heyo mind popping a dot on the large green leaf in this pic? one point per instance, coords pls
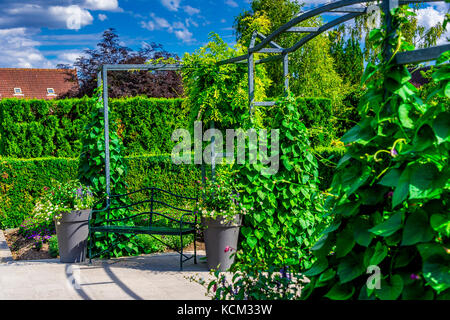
(345, 242)
(350, 268)
(404, 115)
(391, 178)
(388, 227)
(362, 133)
(423, 180)
(402, 189)
(436, 271)
(318, 267)
(341, 292)
(441, 223)
(441, 127)
(379, 254)
(390, 290)
(416, 229)
(361, 232)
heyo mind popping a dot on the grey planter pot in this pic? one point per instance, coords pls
(72, 233)
(217, 237)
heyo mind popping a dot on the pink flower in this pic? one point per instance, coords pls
(45, 188)
(215, 287)
(228, 248)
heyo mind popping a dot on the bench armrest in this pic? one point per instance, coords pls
(194, 214)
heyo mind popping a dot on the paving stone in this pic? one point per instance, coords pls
(145, 277)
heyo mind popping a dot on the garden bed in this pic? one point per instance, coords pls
(24, 249)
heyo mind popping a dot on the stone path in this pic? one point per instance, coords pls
(145, 277)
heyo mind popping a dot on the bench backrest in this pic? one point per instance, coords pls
(148, 201)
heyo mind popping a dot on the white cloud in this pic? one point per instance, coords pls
(185, 35)
(102, 17)
(231, 3)
(73, 16)
(189, 22)
(18, 50)
(172, 5)
(55, 17)
(178, 28)
(105, 5)
(190, 10)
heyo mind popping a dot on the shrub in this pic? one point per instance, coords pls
(53, 248)
(22, 181)
(41, 128)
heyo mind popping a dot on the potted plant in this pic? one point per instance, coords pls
(70, 205)
(221, 215)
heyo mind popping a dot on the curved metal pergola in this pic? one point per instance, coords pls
(268, 45)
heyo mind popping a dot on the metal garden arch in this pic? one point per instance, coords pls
(268, 45)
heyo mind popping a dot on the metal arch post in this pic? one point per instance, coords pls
(251, 73)
(286, 72)
(387, 6)
(106, 119)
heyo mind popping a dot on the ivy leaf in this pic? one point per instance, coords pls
(341, 292)
(422, 181)
(345, 242)
(441, 127)
(390, 290)
(370, 68)
(403, 113)
(361, 232)
(401, 75)
(391, 178)
(252, 241)
(402, 189)
(436, 271)
(416, 229)
(379, 254)
(361, 133)
(350, 268)
(388, 227)
(317, 268)
(441, 223)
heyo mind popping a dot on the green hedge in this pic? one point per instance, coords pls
(22, 181)
(40, 128)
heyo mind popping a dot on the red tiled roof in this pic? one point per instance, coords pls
(34, 82)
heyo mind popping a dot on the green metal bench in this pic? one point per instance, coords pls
(140, 203)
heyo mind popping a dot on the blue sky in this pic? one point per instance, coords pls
(43, 33)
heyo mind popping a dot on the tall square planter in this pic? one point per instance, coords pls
(218, 236)
(72, 232)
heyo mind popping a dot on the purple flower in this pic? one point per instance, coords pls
(414, 276)
(394, 153)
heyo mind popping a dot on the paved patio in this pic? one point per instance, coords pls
(145, 277)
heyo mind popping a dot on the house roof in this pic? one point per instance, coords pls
(35, 82)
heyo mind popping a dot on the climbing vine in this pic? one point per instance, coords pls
(91, 172)
(215, 92)
(390, 200)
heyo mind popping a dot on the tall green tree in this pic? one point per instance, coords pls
(312, 66)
